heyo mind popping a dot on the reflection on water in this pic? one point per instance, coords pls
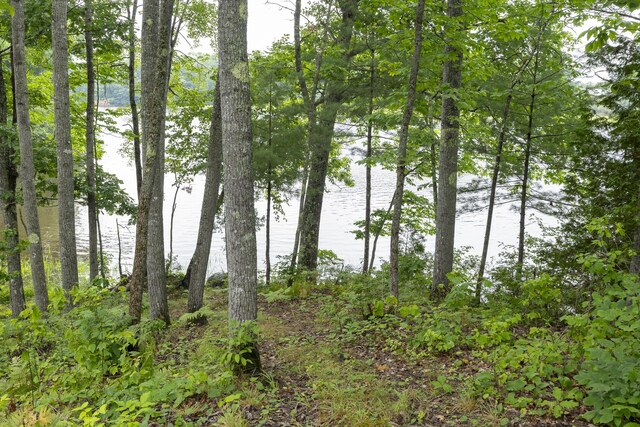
(342, 207)
(49, 233)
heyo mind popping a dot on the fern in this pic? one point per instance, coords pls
(199, 316)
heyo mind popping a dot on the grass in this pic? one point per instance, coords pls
(323, 365)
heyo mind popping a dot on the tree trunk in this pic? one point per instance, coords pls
(174, 205)
(448, 159)
(367, 202)
(267, 254)
(402, 152)
(198, 266)
(240, 221)
(309, 100)
(27, 169)
(156, 269)
(434, 176)
(119, 249)
(321, 138)
(377, 236)
(525, 173)
(62, 113)
(137, 152)
(492, 196)
(634, 267)
(8, 184)
(156, 40)
(90, 142)
(267, 250)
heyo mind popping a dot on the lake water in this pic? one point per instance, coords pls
(342, 207)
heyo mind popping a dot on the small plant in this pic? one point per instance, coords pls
(240, 352)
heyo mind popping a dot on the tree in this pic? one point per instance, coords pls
(240, 223)
(92, 214)
(198, 265)
(158, 43)
(515, 81)
(27, 168)
(66, 208)
(8, 184)
(448, 156)
(402, 152)
(137, 152)
(156, 46)
(321, 135)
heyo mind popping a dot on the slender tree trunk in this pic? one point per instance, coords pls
(174, 205)
(103, 273)
(157, 279)
(156, 40)
(634, 267)
(137, 152)
(379, 231)
(303, 193)
(62, 112)
(197, 270)
(492, 196)
(267, 254)
(367, 202)
(434, 176)
(321, 138)
(496, 170)
(448, 158)
(309, 101)
(119, 249)
(27, 169)
(402, 152)
(90, 142)
(525, 173)
(8, 184)
(240, 221)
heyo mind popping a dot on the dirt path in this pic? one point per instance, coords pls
(322, 379)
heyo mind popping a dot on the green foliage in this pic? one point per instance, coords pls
(610, 331)
(96, 368)
(239, 349)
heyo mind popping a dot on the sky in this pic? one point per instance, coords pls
(269, 20)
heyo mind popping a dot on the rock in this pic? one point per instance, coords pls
(217, 280)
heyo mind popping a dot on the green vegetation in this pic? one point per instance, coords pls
(504, 94)
(336, 353)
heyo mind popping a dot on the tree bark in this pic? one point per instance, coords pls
(492, 196)
(496, 168)
(137, 152)
(198, 265)
(379, 231)
(62, 113)
(634, 267)
(448, 158)
(240, 220)
(156, 46)
(8, 184)
(525, 173)
(90, 142)
(156, 269)
(27, 169)
(174, 205)
(402, 152)
(267, 251)
(309, 101)
(367, 201)
(321, 138)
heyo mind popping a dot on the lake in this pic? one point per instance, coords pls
(342, 207)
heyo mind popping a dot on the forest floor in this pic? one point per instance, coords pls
(319, 370)
(326, 361)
